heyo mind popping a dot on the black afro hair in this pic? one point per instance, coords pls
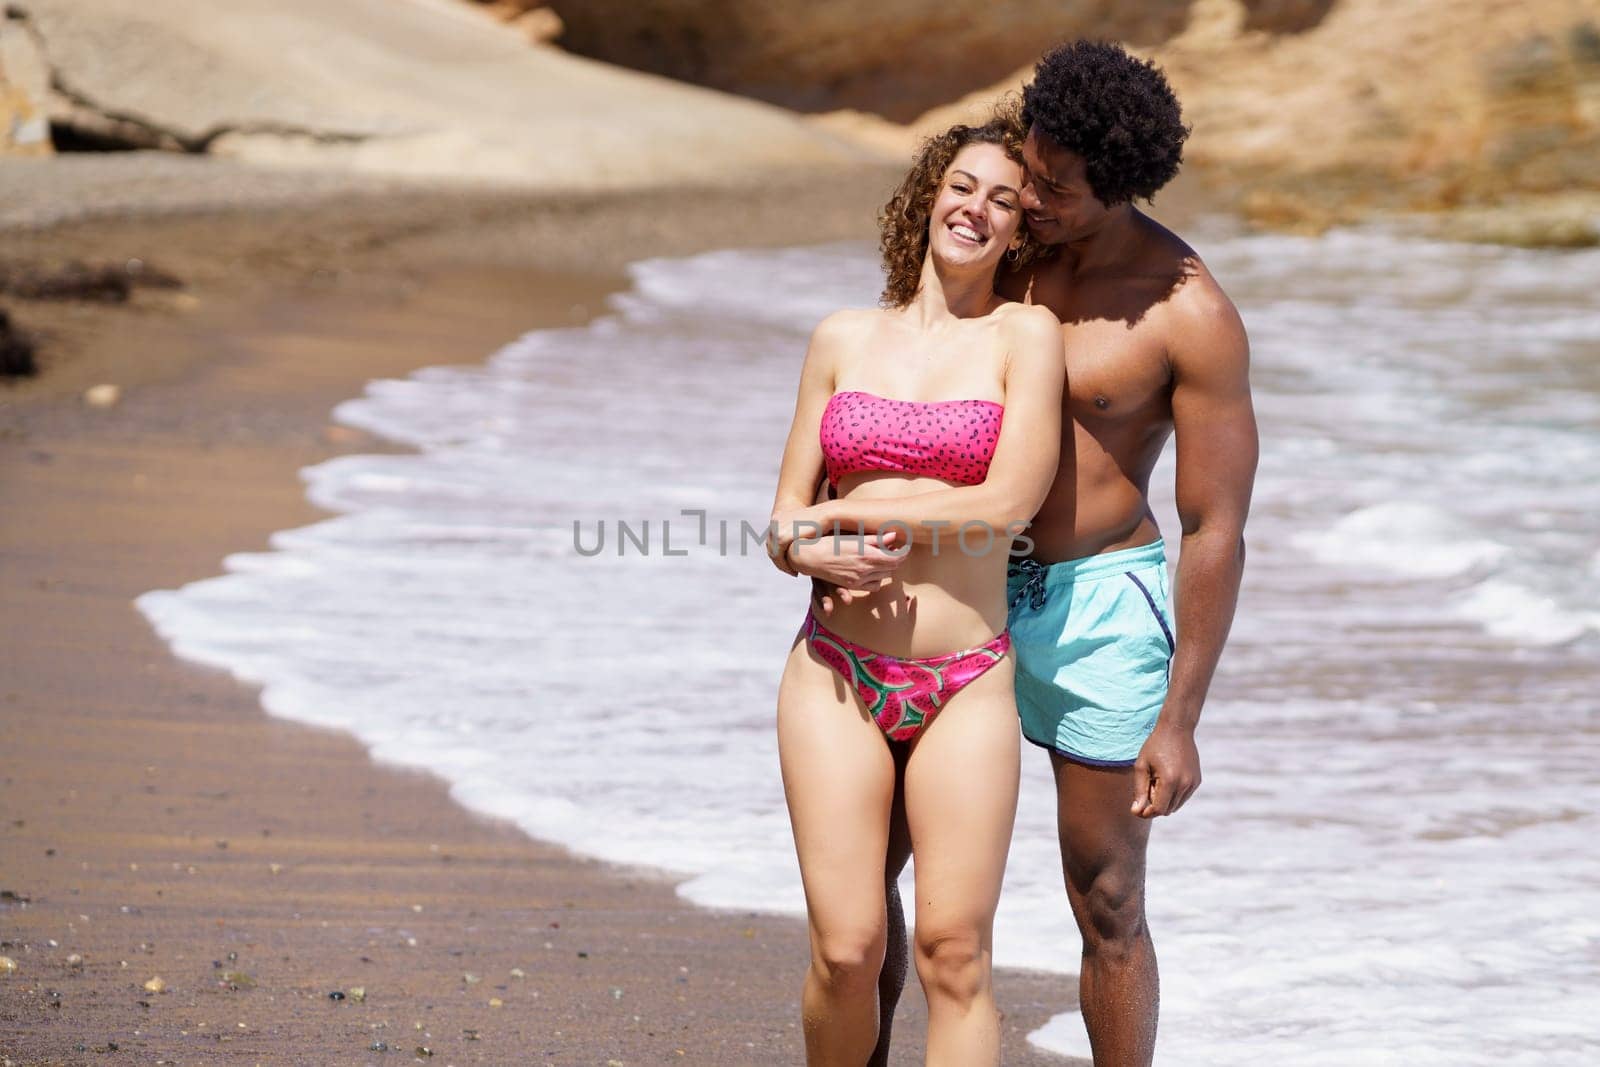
(1116, 111)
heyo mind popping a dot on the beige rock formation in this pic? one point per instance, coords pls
(1398, 105)
(878, 134)
(896, 58)
(429, 88)
(537, 23)
(1279, 16)
(1371, 105)
(24, 92)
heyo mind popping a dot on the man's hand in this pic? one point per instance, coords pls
(846, 567)
(1167, 772)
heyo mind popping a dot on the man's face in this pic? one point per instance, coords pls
(1057, 202)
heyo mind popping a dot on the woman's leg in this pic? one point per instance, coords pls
(839, 777)
(961, 801)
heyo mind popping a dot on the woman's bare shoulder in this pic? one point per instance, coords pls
(850, 322)
(1025, 318)
(846, 331)
(1029, 328)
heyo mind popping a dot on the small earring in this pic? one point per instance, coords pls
(1013, 252)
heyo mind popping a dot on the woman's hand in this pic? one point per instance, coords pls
(786, 527)
(847, 565)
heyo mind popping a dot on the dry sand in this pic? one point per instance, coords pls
(156, 823)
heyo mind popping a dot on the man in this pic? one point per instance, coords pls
(1154, 349)
(1105, 682)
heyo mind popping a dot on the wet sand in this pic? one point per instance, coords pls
(155, 823)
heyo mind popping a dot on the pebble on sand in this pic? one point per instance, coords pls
(7, 965)
(104, 395)
(16, 350)
(155, 985)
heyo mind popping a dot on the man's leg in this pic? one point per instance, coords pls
(897, 954)
(1103, 857)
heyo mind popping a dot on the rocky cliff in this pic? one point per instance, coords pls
(24, 91)
(1305, 112)
(1427, 105)
(427, 88)
(896, 58)
(1312, 113)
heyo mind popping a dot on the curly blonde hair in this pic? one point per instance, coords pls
(903, 222)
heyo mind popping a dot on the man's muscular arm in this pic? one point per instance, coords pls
(1215, 428)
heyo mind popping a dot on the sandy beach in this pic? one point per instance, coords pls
(215, 229)
(297, 902)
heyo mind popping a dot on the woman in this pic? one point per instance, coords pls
(936, 417)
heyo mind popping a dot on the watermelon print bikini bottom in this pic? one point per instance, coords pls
(902, 695)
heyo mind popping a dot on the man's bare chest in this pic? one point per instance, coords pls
(1115, 372)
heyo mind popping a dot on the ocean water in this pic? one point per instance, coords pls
(1393, 857)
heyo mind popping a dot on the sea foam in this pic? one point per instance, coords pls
(1388, 860)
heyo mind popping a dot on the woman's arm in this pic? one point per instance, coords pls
(1020, 474)
(802, 467)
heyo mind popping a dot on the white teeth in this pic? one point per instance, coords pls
(968, 232)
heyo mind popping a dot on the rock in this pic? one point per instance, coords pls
(7, 965)
(1284, 16)
(1411, 104)
(155, 985)
(1583, 41)
(24, 91)
(98, 283)
(75, 961)
(532, 20)
(897, 58)
(104, 395)
(358, 993)
(16, 350)
(1413, 109)
(1530, 64)
(539, 26)
(147, 275)
(105, 283)
(401, 87)
(1571, 221)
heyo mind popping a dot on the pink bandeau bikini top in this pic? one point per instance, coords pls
(949, 439)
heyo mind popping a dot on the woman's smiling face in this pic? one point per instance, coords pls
(977, 213)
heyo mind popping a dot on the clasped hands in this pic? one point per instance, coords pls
(845, 566)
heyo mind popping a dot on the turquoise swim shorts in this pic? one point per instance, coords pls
(1093, 644)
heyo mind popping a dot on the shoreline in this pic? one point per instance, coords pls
(157, 798)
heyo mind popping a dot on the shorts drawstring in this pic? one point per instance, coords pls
(1033, 583)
